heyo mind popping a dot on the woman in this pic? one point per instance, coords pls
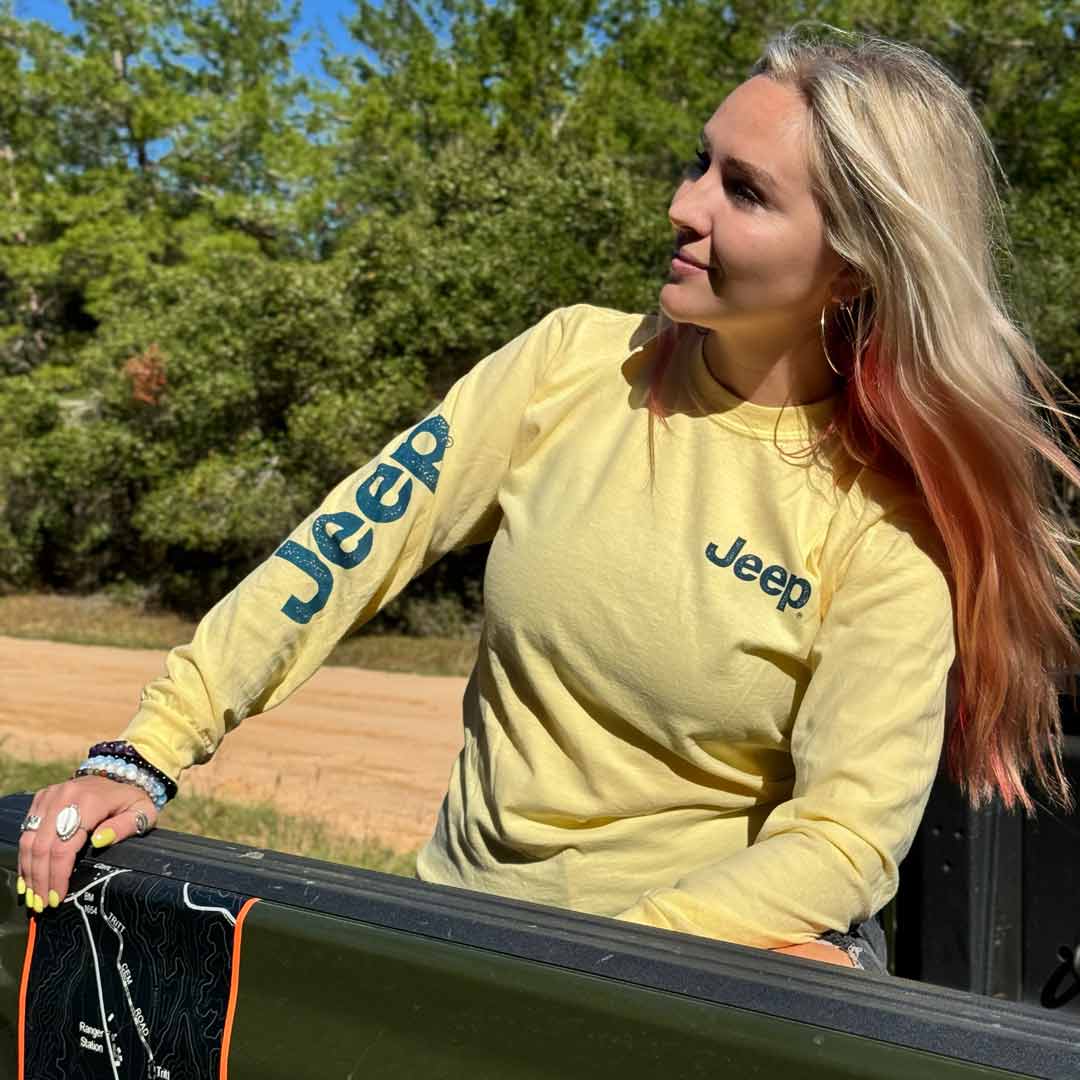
(735, 551)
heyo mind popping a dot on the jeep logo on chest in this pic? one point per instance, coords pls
(773, 580)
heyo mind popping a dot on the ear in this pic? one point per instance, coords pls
(848, 284)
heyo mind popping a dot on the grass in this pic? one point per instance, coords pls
(253, 824)
(103, 620)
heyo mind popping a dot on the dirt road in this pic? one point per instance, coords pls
(367, 751)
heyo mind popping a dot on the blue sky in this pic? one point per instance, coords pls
(314, 14)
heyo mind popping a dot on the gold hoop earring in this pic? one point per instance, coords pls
(824, 347)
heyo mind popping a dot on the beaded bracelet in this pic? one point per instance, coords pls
(121, 761)
(126, 773)
(127, 752)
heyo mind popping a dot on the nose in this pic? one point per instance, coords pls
(688, 211)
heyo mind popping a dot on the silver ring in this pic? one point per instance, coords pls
(68, 822)
(30, 823)
(142, 823)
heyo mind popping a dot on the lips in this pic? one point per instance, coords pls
(684, 256)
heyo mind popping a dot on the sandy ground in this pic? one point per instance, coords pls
(368, 751)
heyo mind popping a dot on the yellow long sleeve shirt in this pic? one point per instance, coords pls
(710, 689)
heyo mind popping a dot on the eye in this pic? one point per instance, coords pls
(740, 191)
(743, 193)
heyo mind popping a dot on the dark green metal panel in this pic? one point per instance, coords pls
(348, 973)
(323, 996)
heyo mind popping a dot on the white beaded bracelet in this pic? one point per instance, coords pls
(116, 768)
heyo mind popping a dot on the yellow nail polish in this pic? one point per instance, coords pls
(20, 885)
(29, 897)
(39, 907)
(54, 898)
(103, 838)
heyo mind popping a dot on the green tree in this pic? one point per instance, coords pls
(223, 286)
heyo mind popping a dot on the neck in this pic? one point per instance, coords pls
(789, 373)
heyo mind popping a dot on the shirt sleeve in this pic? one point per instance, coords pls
(430, 490)
(865, 744)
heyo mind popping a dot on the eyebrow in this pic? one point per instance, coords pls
(755, 172)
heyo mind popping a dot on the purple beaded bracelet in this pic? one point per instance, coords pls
(126, 752)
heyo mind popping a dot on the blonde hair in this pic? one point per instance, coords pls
(944, 392)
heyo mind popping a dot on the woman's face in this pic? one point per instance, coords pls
(750, 251)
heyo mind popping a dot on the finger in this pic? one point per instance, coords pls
(61, 860)
(113, 812)
(824, 951)
(35, 846)
(25, 840)
(48, 843)
(101, 803)
(134, 820)
(26, 851)
(34, 851)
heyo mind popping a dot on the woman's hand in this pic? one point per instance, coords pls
(108, 810)
(824, 951)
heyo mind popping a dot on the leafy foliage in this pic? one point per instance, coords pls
(223, 285)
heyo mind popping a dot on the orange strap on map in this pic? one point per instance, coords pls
(234, 987)
(22, 995)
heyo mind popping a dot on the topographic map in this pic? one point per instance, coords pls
(107, 1000)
